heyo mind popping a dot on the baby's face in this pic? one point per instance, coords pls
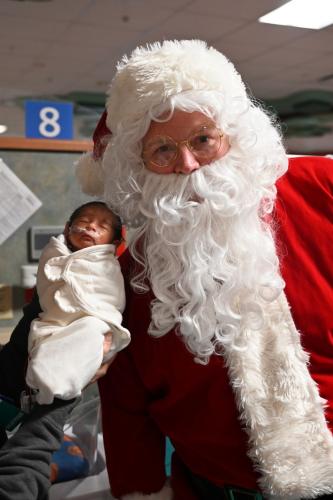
(94, 226)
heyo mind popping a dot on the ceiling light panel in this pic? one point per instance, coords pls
(311, 14)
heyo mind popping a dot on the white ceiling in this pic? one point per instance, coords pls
(58, 46)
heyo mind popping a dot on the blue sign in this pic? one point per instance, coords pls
(48, 120)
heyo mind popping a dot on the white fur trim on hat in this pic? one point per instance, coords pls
(154, 73)
(90, 175)
(164, 494)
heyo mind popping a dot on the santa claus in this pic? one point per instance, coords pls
(229, 287)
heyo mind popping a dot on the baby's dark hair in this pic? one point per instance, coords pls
(117, 224)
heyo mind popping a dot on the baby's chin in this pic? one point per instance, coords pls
(81, 243)
(87, 240)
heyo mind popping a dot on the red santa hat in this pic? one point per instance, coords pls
(147, 79)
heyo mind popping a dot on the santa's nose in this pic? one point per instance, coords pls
(186, 162)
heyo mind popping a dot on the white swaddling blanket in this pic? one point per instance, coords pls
(82, 298)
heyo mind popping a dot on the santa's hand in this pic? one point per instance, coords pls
(105, 365)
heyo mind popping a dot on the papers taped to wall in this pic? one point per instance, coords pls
(17, 202)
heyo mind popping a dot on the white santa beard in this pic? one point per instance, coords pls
(211, 263)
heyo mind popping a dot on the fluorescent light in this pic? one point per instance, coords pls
(3, 129)
(312, 14)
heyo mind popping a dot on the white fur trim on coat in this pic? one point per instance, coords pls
(158, 71)
(164, 494)
(290, 443)
(90, 175)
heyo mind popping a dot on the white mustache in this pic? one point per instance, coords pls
(89, 232)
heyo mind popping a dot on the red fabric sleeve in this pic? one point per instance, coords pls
(134, 446)
(305, 233)
(305, 212)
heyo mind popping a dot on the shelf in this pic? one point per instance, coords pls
(22, 143)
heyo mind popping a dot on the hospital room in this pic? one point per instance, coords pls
(166, 241)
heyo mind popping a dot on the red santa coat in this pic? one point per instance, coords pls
(164, 393)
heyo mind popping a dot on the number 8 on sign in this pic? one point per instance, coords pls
(48, 120)
(49, 126)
